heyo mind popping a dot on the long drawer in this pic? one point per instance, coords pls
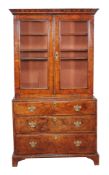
(55, 144)
(36, 124)
(55, 108)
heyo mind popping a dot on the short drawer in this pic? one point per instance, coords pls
(75, 107)
(55, 144)
(32, 108)
(55, 124)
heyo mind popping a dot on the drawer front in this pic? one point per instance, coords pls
(55, 144)
(32, 108)
(75, 107)
(55, 108)
(55, 124)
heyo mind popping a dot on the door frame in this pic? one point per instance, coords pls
(89, 89)
(38, 91)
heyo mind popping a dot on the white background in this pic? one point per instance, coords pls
(78, 166)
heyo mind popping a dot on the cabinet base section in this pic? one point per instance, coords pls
(17, 158)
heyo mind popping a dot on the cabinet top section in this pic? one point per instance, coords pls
(52, 11)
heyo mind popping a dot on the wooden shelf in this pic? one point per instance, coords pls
(34, 59)
(74, 34)
(40, 34)
(73, 50)
(68, 59)
(33, 50)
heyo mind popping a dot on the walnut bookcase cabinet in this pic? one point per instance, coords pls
(54, 111)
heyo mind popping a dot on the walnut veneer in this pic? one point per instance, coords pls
(54, 111)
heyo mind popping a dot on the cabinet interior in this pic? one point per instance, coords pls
(34, 54)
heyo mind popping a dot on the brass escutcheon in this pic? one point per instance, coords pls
(54, 104)
(55, 137)
(56, 56)
(54, 119)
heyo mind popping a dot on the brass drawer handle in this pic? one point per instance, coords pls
(77, 143)
(77, 108)
(31, 108)
(33, 144)
(77, 123)
(32, 124)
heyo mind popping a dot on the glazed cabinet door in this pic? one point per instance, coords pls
(74, 54)
(33, 54)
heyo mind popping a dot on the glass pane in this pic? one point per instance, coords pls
(73, 54)
(33, 42)
(74, 42)
(74, 27)
(34, 74)
(34, 27)
(34, 54)
(73, 74)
